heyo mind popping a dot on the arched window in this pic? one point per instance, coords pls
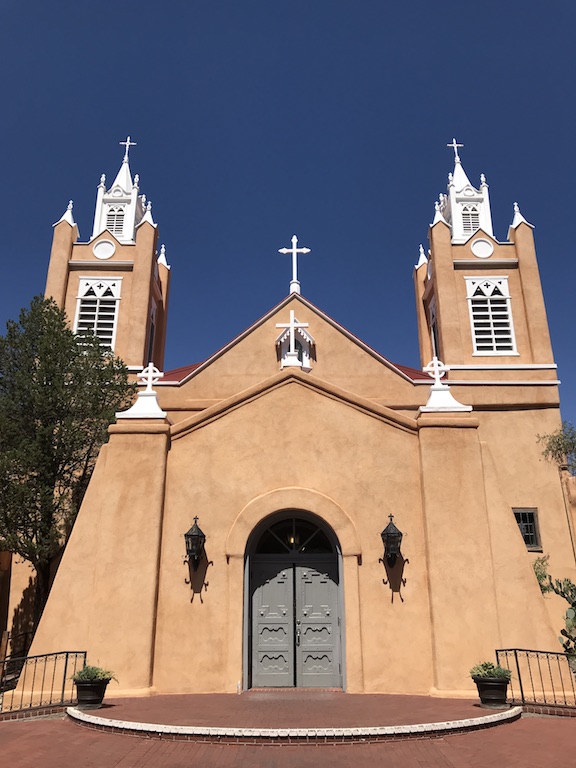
(294, 535)
(115, 219)
(470, 219)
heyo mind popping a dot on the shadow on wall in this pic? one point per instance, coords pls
(395, 575)
(5, 566)
(22, 629)
(197, 578)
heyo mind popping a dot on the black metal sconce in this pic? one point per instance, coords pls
(391, 538)
(195, 540)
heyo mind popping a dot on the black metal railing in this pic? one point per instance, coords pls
(539, 677)
(30, 682)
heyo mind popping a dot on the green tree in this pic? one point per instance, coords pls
(58, 394)
(560, 446)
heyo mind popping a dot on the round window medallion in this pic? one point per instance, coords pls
(482, 248)
(104, 249)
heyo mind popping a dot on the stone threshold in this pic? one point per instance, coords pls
(291, 735)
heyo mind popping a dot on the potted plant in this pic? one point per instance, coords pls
(492, 683)
(91, 685)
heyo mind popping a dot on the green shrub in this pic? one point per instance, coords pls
(488, 669)
(89, 673)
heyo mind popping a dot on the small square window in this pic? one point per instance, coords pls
(527, 519)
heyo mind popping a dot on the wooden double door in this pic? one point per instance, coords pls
(295, 621)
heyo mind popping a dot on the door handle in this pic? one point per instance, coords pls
(298, 632)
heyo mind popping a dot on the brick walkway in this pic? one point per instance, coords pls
(59, 743)
(290, 708)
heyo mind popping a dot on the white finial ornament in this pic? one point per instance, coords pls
(438, 214)
(454, 144)
(441, 399)
(294, 284)
(146, 405)
(422, 259)
(68, 216)
(518, 218)
(292, 354)
(162, 256)
(127, 144)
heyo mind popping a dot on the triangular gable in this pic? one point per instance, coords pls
(180, 376)
(289, 377)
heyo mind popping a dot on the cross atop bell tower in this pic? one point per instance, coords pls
(465, 208)
(121, 208)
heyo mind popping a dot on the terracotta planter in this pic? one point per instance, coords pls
(90, 693)
(492, 691)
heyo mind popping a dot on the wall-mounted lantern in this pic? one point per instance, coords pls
(391, 538)
(195, 540)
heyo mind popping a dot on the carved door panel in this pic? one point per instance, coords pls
(272, 625)
(317, 630)
(295, 623)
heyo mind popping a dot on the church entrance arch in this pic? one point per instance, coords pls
(294, 604)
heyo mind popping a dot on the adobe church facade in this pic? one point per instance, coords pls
(291, 448)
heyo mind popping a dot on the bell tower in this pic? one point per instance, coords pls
(116, 284)
(479, 301)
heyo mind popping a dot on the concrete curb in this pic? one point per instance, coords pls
(290, 735)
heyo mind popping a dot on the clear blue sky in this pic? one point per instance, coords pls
(258, 119)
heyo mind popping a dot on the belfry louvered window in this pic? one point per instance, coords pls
(115, 219)
(490, 316)
(97, 309)
(470, 219)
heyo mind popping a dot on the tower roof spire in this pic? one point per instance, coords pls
(465, 208)
(123, 179)
(120, 209)
(458, 178)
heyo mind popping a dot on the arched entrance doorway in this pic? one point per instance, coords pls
(294, 604)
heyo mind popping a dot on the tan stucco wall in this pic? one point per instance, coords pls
(121, 591)
(345, 442)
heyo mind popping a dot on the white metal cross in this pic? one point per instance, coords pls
(293, 325)
(294, 284)
(436, 369)
(454, 144)
(149, 376)
(127, 144)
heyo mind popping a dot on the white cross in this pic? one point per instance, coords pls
(294, 284)
(455, 146)
(127, 144)
(293, 325)
(149, 376)
(436, 369)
